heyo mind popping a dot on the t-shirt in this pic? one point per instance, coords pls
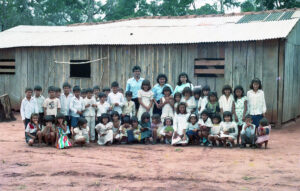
(81, 133)
(31, 128)
(51, 106)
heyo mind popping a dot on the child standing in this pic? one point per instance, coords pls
(32, 131)
(102, 106)
(204, 100)
(168, 130)
(180, 125)
(212, 105)
(39, 100)
(239, 108)
(145, 128)
(248, 132)
(192, 129)
(226, 99)
(83, 93)
(189, 99)
(65, 100)
(28, 107)
(156, 127)
(104, 129)
(106, 90)
(177, 98)
(57, 92)
(62, 139)
(89, 112)
(256, 101)
(145, 97)
(96, 90)
(82, 132)
(115, 99)
(183, 82)
(48, 131)
(51, 104)
(129, 105)
(229, 129)
(214, 135)
(167, 103)
(197, 95)
(76, 107)
(205, 125)
(263, 133)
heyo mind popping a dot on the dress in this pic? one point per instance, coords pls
(105, 133)
(63, 139)
(146, 98)
(147, 133)
(230, 127)
(191, 103)
(239, 109)
(167, 110)
(180, 124)
(226, 104)
(82, 133)
(262, 138)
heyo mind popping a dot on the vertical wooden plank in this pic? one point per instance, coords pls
(258, 59)
(229, 54)
(106, 63)
(250, 64)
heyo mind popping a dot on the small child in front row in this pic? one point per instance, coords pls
(48, 131)
(229, 129)
(104, 129)
(145, 128)
(192, 130)
(123, 134)
(214, 135)
(263, 133)
(156, 127)
(62, 139)
(129, 105)
(82, 132)
(136, 129)
(204, 125)
(32, 131)
(248, 132)
(116, 121)
(180, 125)
(168, 130)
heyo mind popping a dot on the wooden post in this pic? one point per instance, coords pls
(5, 109)
(280, 82)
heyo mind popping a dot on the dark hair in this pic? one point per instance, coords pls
(136, 68)
(205, 111)
(28, 89)
(128, 93)
(59, 116)
(168, 118)
(193, 115)
(114, 84)
(217, 116)
(105, 115)
(81, 121)
(183, 74)
(96, 88)
(167, 89)
(180, 104)
(227, 114)
(197, 91)
(83, 91)
(187, 90)
(248, 117)
(105, 89)
(255, 80)
(206, 88)
(177, 94)
(162, 76)
(213, 93)
(120, 89)
(76, 89)
(57, 89)
(89, 90)
(115, 113)
(134, 119)
(264, 122)
(33, 115)
(238, 87)
(37, 88)
(51, 89)
(66, 84)
(48, 118)
(101, 94)
(144, 116)
(126, 119)
(146, 83)
(156, 116)
(226, 87)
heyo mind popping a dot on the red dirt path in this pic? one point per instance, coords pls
(141, 167)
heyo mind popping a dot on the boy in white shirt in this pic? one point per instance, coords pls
(89, 112)
(28, 106)
(65, 100)
(77, 107)
(129, 105)
(115, 99)
(102, 106)
(96, 91)
(52, 103)
(40, 101)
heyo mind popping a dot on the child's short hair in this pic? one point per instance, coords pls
(89, 90)
(255, 80)
(37, 88)
(33, 115)
(238, 87)
(177, 94)
(217, 116)
(144, 116)
(51, 89)
(264, 122)
(81, 121)
(66, 84)
(57, 89)
(83, 91)
(187, 90)
(96, 88)
(226, 87)
(156, 116)
(205, 112)
(126, 119)
(162, 76)
(106, 89)
(48, 118)
(76, 89)
(206, 88)
(134, 119)
(101, 95)
(167, 89)
(146, 83)
(168, 118)
(136, 68)
(197, 91)
(115, 113)
(192, 115)
(28, 89)
(180, 104)
(128, 94)
(59, 116)
(248, 117)
(103, 116)
(227, 114)
(213, 93)
(114, 84)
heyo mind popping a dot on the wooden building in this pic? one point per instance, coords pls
(214, 50)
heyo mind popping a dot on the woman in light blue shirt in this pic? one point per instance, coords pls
(158, 92)
(183, 81)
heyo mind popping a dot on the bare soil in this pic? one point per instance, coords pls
(149, 167)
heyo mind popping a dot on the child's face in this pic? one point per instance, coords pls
(102, 99)
(77, 94)
(135, 124)
(238, 93)
(57, 94)
(255, 86)
(52, 94)
(106, 92)
(177, 98)
(154, 120)
(161, 81)
(168, 122)
(128, 98)
(104, 120)
(183, 79)
(35, 119)
(205, 93)
(212, 98)
(167, 93)
(193, 120)
(67, 90)
(60, 120)
(146, 120)
(227, 118)
(28, 94)
(115, 117)
(37, 93)
(145, 87)
(49, 124)
(197, 96)
(227, 92)
(248, 121)
(182, 109)
(96, 92)
(204, 117)
(89, 95)
(187, 95)
(83, 95)
(84, 125)
(115, 89)
(216, 121)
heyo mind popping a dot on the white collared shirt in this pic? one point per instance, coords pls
(256, 102)
(28, 107)
(76, 105)
(102, 108)
(226, 104)
(89, 111)
(65, 103)
(40, 101)
(113, 98)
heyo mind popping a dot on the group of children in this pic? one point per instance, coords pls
(190, 116)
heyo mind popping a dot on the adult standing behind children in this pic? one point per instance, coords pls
(134, 85)
(183, 81)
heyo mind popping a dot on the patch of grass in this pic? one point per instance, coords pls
(178, 150)
(22, 187)
(247, 178)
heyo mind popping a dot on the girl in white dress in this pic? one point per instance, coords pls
(226, 99)
(228, 129)
(145, 97)
(180, 125)
(82, 132)
(167, 104)
(104, 130)
(188, 98)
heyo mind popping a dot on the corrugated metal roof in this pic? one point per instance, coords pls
(148, 31)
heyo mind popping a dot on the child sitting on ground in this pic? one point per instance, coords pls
(145, 128)
(156, 127)
(32, 131)
(48, 131)
(136, 129)
(263, 133)
(82, 132)
(104, 130)
(204, 127)
(192, 130)
(248, 132)
(229, 129)
(214, 135)
(168, 130)
(62, 139)
(123, 130)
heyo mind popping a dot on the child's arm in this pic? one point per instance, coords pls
(150, 105)
(141, 103)
(31, 136)
(264, 107)
(58, 106)
(233, 112)
(133, 109)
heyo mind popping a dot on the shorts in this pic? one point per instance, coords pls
(74, 121)
(27, 138)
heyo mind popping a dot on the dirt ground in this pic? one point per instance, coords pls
(149, 167)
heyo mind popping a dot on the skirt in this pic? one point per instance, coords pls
(63, 142)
